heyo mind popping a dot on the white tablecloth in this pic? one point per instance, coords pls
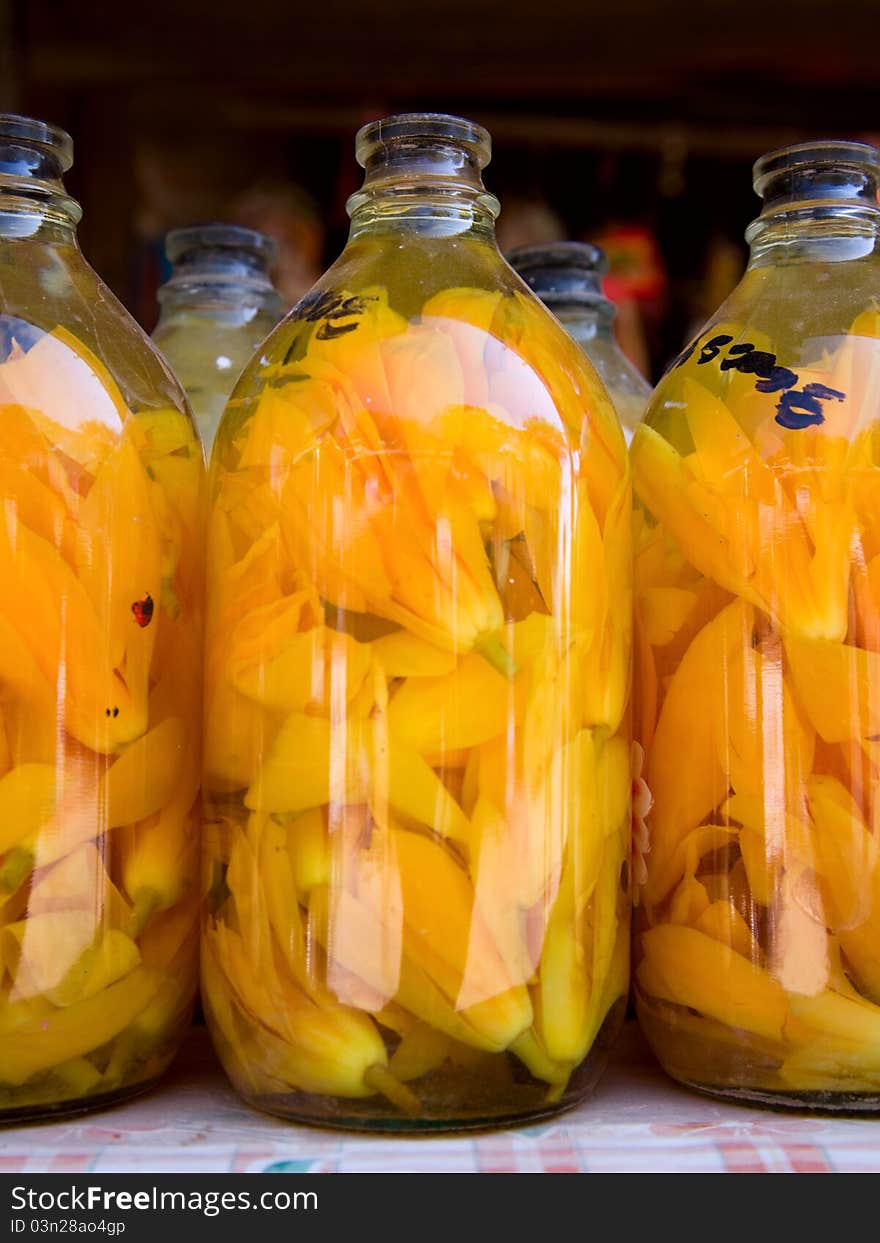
(637, 1120)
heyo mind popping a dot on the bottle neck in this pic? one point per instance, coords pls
(815, 210)
(424, 187)
(23, 220)
(586, 322)
(220, 278)
(219, 297)
(33, 202)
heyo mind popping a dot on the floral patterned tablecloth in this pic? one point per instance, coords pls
(635, 1121)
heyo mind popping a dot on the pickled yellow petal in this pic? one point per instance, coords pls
(309, 851)
(417, 993)
(317, 1048)
(301, 771)
(691, 730)
(723, 921)
(112, 957)
(838, 685)
(665, 611)
(662, 484)
(577, 955)
(845, 854)
(160, 854)
(76, 1030)
(238, 734)
(99, 711)
(79, 882)
(689, 901)
(725, 457)
(463, 709)
(685, 859)
(758, 760)
(141, 781)
(828, 1065)
(28, 795)
(834, 1015)
(404, 655)
(313, 670)
(120, 558)
(762, 865)
(684, 966)
(501, 893)
(444, 932)
(49, 945)
(421, 1050)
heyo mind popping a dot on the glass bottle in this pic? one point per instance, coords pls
(99, 666)
(417, 759)
(218, 305)
(758, 659)
(567, 277)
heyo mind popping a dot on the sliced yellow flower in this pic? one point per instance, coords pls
(312, 763)
(688, 968)
(467, 707)
(404, 655)
(27, 800)
(838, 685)
(691, 730)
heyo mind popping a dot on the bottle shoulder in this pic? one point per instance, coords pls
(778, 371)
(488, 348)
(55, 291)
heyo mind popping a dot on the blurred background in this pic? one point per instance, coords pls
(633, 123)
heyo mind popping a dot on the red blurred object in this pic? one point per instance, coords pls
(635, 266)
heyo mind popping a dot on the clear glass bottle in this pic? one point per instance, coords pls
(417, 754)
(758, 659)
(218, 305)
(99, 666)
(567, 277)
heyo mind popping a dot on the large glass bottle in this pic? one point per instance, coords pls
(417, 755)
(100, 607)
(217, 306)
(567, 277)
(758, 659)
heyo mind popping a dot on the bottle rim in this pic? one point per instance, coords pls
(440, 127)
(840, 152)
(574, 256)
(33, 132)
(185, 241)
(564, 274)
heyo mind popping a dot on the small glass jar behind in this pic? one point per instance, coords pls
(217, 307)
(567, 276)
(101, 476)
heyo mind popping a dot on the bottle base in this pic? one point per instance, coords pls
(815, 1102)
(747, 1070)
(32, 1115)
(502, 1093)
(365, 1116)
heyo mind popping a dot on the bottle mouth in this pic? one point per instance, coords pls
(219, 243)
(428, 162)
(34, 156)
(440, 128)
(563, 273)
(835, 170)
(28, 132)
(219, 262)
